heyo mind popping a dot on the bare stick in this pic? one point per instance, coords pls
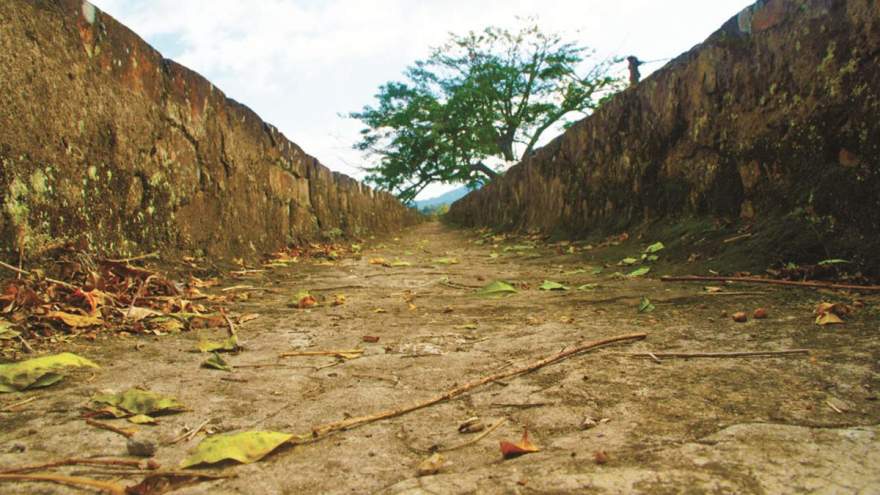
(17, 405)
(478, 437)
(656, 355)
(154, 254)
(122, 431)
(104, 486)
(190, 434)
(345, 424)
(756, 280)
(25, 272)
(150, 465)
(342, 354)
(230, 325)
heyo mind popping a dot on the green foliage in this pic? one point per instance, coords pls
(477, 97)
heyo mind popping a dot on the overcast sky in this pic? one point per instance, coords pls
(301, 63)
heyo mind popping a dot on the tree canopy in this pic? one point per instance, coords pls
(478, 96)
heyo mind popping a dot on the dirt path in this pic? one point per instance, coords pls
(748, 425)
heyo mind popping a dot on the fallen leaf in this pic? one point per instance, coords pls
(137, 313)
(6, 331)
(588, 287)
(378, 261)
(600, 457)
(216, 362)
(496, 289)
(446, 261)
(228, 345)
(136, 401)
(653, 248)
(835, 261)
(370, 338)
(245, 447)
(39, 372)
(828, 319)
(628, 261)
(397, 263)
(638, 272)
(74, 320)
(303, 299)
(713, 290)
(142, 419)
(524, 446)
(339, 300)
(550, 285)
(645, 305)
(431, 465)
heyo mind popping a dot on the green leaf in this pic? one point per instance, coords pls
(216, 362)
(645, 305)
(228, 345)
(628, 261)
(652, 257)
(39, 372)
(245, 447)
(835, 261)
(653, 248)
(496, 289)
(588, 287)
(638, 272)
(136, 401)
(551, 285)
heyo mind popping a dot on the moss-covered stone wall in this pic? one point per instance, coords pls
(107, 145)
(777, 114)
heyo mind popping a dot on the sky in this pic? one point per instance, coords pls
(303, 65)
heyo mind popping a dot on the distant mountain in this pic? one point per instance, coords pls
(446, 198)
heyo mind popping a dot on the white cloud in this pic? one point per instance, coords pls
(299, 63)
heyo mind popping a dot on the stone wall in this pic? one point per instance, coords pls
(775, 114)
(107, 145)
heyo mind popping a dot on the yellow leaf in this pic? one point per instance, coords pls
(245, 447)
(828, 319)
(38, 372)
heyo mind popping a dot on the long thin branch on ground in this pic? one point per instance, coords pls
(346, 424)
(104, 486)
(654, 355)
(150, 464)
(756, 280)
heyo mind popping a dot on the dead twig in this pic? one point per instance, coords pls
(476, 438)
(190, 434)
(104, 486)
(127, 433)
(25, 272)
(736, 238)
(339, 287)
(230, 326)
(144, 464)
(17, 405)
(154, 254)
(656, 355)
(770, 281)
(341, 354)
(321, 430)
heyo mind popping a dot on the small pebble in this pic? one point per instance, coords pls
(759, 314)
(740, 317)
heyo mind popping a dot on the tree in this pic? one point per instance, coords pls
(478, 97)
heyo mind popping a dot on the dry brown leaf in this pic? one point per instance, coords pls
(828, 319)
(431, 465)
(524, 446)
(74, 320)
